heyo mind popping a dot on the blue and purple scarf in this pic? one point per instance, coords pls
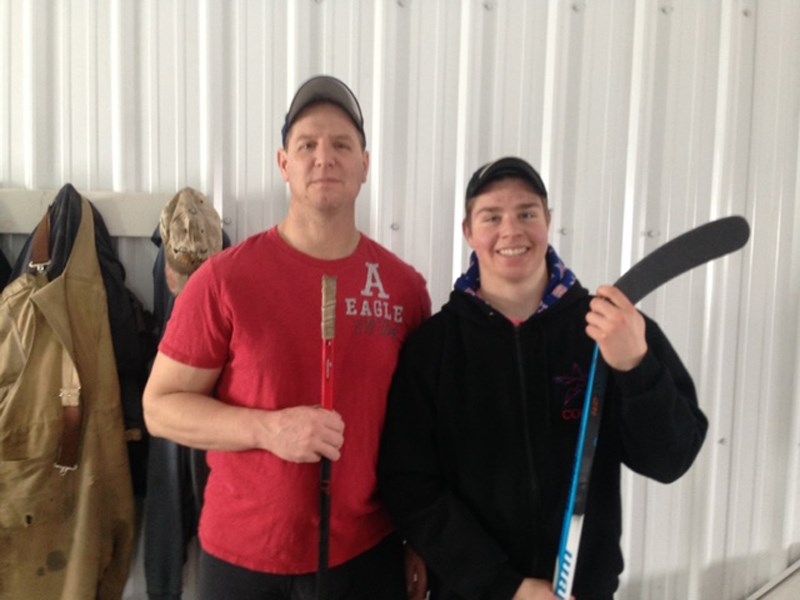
(561, 279)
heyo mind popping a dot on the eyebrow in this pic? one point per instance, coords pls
(336, 137)
(524, 206)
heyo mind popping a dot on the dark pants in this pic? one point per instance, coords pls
(377, 573)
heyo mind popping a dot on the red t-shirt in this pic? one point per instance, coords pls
(254, 311)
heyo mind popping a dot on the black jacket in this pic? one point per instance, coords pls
(176, 478)
(5, 270)
(480, 438)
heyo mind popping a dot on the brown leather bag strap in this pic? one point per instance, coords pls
(72, 412)
(40, 251)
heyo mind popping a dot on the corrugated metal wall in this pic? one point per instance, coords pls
(646, 117)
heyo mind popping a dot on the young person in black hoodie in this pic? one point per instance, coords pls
(485, 406)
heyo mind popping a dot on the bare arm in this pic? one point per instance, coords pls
(178, 405)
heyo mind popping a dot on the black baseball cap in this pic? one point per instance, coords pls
(324, 88)
(502, 168)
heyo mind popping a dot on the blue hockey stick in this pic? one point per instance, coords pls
(685, 252)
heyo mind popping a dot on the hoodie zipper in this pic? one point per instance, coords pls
(534, 479)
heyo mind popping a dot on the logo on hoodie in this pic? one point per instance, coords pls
(574, 386)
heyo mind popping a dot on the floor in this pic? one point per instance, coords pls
(783, 587)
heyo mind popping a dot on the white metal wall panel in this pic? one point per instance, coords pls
(646, 117)
(765, 388)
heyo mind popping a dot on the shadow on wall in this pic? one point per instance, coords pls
(731, 581)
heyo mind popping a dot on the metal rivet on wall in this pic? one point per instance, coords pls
(489, 5)
(227, 221)
(562, 231)
(746, 12)
(403, 3)
(652, 233)
(395, 226)
(578, 6)
(666, 8)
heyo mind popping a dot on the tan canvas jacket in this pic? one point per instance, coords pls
(66, 503)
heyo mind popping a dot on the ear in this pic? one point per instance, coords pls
(365, 163)
(282, 159)
(466, 230)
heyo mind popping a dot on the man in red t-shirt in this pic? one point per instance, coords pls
(238, 374)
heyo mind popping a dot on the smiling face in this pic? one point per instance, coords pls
(507, 226)
(324, 161)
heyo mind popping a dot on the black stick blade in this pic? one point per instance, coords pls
(683, 253)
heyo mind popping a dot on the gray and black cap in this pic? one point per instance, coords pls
(319, 89)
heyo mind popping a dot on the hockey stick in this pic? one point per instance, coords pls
(328, 332)
(685, 252)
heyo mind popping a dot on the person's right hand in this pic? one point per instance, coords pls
(303, 434)
(535, 589)
(416, 575)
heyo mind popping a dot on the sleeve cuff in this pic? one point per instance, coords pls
(642, 378)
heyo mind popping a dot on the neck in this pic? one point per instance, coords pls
(515, 299)
(327, 237)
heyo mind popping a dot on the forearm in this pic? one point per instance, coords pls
(200, 421)
(446, 533)
(662, 427)
(178, 406)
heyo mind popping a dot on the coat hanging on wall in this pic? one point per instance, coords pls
(66, 499)
(133, 329)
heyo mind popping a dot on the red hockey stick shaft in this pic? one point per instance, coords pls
(328, 333)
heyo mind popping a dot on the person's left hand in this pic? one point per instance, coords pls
(416, 575)
(617, 327)
(536, 589)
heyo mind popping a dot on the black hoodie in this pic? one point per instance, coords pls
(480, 436)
